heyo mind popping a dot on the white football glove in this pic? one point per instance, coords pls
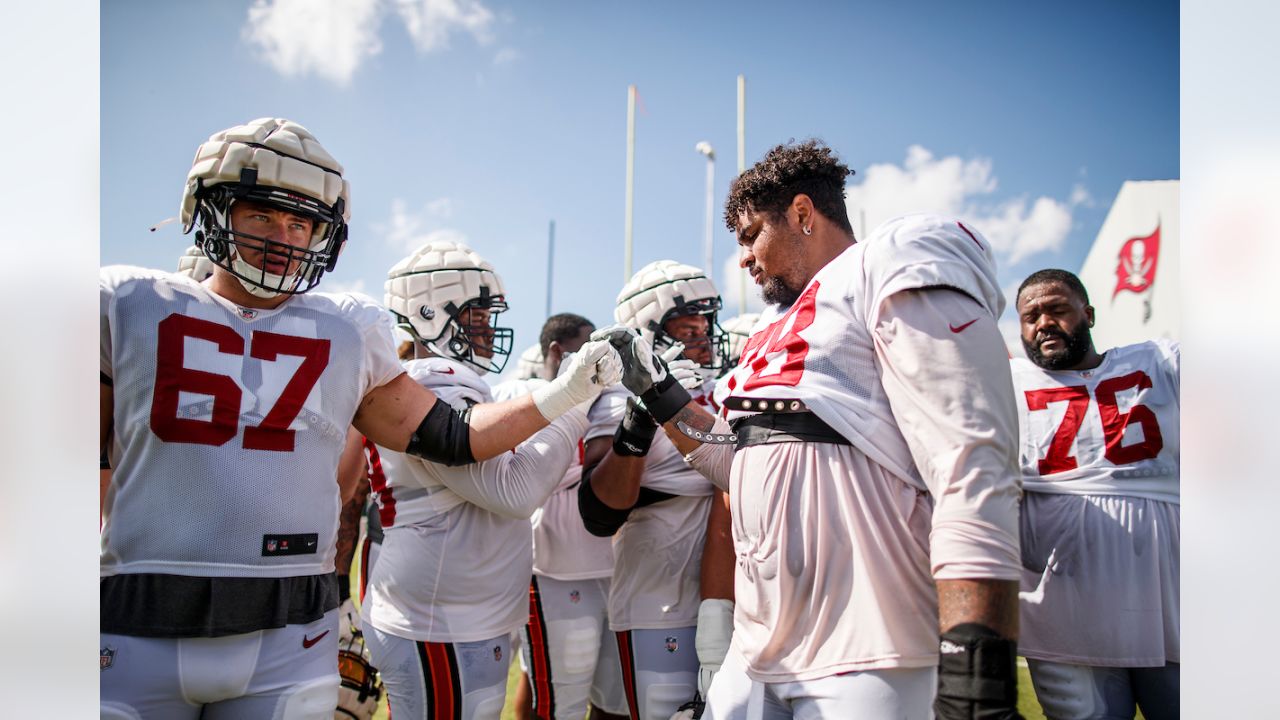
(582, 377)
(348, 621)
(686, 372)
(715, 630)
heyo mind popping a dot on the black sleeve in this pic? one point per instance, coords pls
(443, 436)
(599, 519)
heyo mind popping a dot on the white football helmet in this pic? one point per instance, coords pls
(529, 365)
(738, 329)
(280, 164)
(430, 290)
(195, 264)
(667, 289)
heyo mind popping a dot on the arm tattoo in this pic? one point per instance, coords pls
(694, 417)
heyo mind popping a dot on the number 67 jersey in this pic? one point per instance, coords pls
(1111, 430)
(228, 425)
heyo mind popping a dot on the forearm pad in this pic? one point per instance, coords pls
(443, 436)
(666, 398)
(599, 519)
(635, 432)
(977, 675)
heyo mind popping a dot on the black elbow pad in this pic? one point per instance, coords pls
(443, 436)
(599, 519)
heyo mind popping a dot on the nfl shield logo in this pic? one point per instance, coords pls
(497, 653)
(247, 313)
(672, 645)
(271, 546)
(107, 656)
(575, 596)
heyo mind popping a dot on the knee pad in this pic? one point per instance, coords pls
(662, 699)
(580, 644)
(117, 711)
(1065, 692)
(309, 700)
(490, 708)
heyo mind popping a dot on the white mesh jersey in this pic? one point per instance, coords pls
(657, 553)
(1111, 430)
(562, 547)
(456, 558)
(821, 349)
(228, 425)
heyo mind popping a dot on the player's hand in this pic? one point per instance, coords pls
(641, 368)
(686, 372)
(583, 375)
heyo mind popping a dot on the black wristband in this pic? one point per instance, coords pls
(635, 432)
(344, 588)
(666, 398)
(977, 675)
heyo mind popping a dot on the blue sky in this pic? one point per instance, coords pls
(483, 121)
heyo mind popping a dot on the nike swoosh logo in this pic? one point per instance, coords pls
(955, 329)
(447, 371)
(308, 642)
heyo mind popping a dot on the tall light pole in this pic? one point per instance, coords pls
(705, 148)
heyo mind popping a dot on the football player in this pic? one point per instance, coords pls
(225, 406)
(638, 488)
(872, 472)
(1100, 514)
(451, 581)
(737, 330)
(568, 655)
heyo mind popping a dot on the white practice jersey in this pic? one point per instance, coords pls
(1111, 430)
(657, 553)
(821, 350)
(456, 555)
(838, 547)
(562, 547)
(228, 425)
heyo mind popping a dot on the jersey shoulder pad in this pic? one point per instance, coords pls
(921, 251)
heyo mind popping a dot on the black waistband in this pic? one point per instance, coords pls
(173, 606)
(769, 428)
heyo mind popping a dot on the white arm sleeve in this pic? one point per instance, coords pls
(516, 483)
(952, 396)
(713, 461)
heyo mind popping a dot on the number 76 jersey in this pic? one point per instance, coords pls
(1111, 430)
(228, 425)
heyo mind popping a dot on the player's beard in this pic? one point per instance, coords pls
(775, 289)
(1075, 346)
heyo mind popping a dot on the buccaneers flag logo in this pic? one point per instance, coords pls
(1136, 264)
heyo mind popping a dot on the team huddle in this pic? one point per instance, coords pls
(853, 505)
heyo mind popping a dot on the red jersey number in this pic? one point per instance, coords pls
(1058, 458)
(773, 340)
(173, 378)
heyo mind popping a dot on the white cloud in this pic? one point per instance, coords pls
(355, 287)
(431, 22)
(1080, 196)
(506, 55)
(951, 185)
(407, 231)
(331, 38)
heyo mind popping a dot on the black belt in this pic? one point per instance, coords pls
(768, 428)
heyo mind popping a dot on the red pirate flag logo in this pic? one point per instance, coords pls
(1136, 264)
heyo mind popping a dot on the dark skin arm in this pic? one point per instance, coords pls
(616, 479)
(718, 562)
(993, 603)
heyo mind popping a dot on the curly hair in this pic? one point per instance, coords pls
(1068, 279)
(788, 170)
